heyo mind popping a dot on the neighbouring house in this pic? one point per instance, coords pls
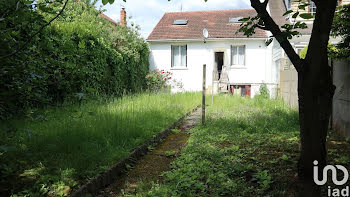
(287, 76)
(122, 18)
(234, 62)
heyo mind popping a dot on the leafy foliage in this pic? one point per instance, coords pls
(158, 80)
(303, 52)
(264, 91)
(79, 52)
(333, 52)
(249, 24)
(341, 27)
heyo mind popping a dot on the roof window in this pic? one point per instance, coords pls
(180, 22)
(235, 20)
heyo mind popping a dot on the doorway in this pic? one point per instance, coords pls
(219, 62)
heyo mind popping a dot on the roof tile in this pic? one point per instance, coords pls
(217, 23)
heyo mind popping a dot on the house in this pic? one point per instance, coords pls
(287, 88)
(234, 62)
(287, 75)
(122, 18)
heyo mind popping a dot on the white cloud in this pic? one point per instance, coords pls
(147, 13)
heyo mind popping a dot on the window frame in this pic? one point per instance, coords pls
(244, 59)
(312, 8)
(172, 55)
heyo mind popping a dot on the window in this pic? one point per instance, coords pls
(178, 55)
(238, 55)
(312, 7)
(240, 90)
(180, 22)
(235, 20)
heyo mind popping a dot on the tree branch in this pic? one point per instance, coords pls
(265, 3)
(36, 33)
(276, 32)
(262, 27)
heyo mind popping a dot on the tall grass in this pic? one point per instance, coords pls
(57, 148)
(243, 149)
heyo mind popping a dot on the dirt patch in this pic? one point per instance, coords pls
(150, 167)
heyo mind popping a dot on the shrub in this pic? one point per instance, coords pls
(264, 91)
(79, 52)
(341, 28)
(158, 81)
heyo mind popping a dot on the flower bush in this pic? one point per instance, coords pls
(158, 80)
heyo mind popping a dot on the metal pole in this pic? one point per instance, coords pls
(212, 89)
(203, 94)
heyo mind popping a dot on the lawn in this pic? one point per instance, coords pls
(54, 150)
(248, 147)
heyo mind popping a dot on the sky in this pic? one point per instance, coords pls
(147, 13)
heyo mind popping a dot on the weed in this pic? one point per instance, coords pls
(46, 155)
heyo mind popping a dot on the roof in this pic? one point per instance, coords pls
(216, 22)
(277, 9)
(109, 19)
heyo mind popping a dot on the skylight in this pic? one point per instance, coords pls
(235, 19)
(180, 22)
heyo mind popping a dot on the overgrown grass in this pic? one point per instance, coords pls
(52, 151)
(248, 147)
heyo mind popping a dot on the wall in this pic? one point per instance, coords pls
(288, 88)
(295, 4)
(341, 99)
(257, 69)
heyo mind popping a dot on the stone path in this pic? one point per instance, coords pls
(149, 168)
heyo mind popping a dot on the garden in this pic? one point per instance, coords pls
(77, 97)
(55, 150)
(247, 147)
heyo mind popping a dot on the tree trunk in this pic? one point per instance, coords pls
(315, 101)
(315, 91)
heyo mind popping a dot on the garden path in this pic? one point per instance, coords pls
(150, 167)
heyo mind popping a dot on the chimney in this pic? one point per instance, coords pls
(123, 17)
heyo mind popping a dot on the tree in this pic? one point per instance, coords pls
(19, 16)
(341, 27)
(315, 88)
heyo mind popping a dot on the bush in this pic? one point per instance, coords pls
(158, 81)
(79, 52)
(264, 91)
(341, 28)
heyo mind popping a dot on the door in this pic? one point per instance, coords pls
(219, 62)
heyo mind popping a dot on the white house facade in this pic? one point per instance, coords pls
(234, 63)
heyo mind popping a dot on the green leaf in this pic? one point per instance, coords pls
(268, 42)
(295, 15)
(111, 1)
(288, 12)
(244, 19)
(284, 157)
(104, 2)
(303, 6)
(306, 16)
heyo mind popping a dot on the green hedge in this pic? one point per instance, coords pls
(80, 53)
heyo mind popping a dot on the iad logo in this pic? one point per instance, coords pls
(335, 191)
